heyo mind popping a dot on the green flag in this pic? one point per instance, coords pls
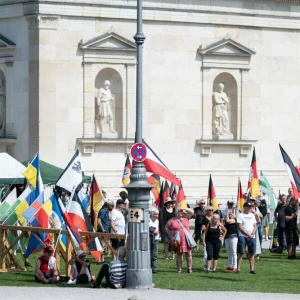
(266, 188)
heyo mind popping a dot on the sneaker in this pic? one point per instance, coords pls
(267, 238)
(72, 281)
(228, 269)
(28, 264)
(237, 272)
(234, 270)
(252, 272)
(206, 271)
(214, 271)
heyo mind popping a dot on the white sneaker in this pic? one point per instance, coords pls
(72, 281)
(267, 238)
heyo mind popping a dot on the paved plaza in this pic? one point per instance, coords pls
(28, 293)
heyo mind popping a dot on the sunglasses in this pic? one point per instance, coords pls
(202, 203)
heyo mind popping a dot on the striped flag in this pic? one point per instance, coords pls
(181, 199)
(96, 199)
(266, 188)
(253, 182)
(126, 172)
(212, 198)
(10, 199)
(293, 175)
(240, 196)
(154, 180)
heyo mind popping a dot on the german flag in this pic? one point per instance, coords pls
(253, 181)
(240, 196)
(181, 198)
(95, 199)
(212, 198)
(126, 172)
(154, 180)
(164, 193)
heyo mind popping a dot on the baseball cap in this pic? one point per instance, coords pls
(247, 204)
(230, 202)
(48, 250)
(257, 201)
(110, 202)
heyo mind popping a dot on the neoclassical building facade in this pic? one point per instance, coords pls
(220, 77)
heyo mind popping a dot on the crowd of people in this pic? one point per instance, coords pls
(239, 230)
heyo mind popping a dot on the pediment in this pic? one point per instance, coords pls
(226, 47)
(6, 43)
(108, 41)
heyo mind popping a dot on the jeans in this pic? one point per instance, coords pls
(231, 248)
(281, 237)
(154, 251)
(259, 231)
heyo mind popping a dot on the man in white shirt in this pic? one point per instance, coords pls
(154, 237)
(247, 229)
(117, 224)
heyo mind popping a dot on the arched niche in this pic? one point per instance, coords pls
(2, 103)
(231, 89)
(116, 88)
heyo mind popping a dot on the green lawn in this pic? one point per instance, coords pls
(274, 274)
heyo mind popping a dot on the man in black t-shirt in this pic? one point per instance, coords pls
(265, 221)
(291, 232)
(280, 219)
(199, 214)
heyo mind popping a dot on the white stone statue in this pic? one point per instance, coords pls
(104, 113)
(2, 107)
(221, 126)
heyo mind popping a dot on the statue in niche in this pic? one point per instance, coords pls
(2, 106)
(221, 126)
(104, 113)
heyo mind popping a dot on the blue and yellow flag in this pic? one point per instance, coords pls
(32, 172)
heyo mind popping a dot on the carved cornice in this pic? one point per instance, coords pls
(43, 22)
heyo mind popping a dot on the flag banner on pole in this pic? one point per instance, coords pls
(10, 199)
(72, 174)
(181, 199)
(212, 198)
(96, 197)
(154, 180)
(84, 198)
(293, 175)
(153, 164)
(240, 197)
(126, 172)
(266, 188)
(253, 182)
(31, 173)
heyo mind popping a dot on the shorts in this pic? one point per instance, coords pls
(243, 242)
(116, 243)
(291, 236)
(265, 221)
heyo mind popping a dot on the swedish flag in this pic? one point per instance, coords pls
(32, 172)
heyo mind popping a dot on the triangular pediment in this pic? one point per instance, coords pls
(6, 43)
(227, 47)
(108, 41)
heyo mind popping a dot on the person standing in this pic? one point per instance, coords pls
(212, 241)
(168, 212)
(291, 231)
(247, 228)
(103, 222)
(231, 240)
(154, 237)
(199, 214)
(175, 226)
(117, 224)
(280, 219)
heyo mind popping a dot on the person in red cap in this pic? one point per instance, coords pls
(46, 270)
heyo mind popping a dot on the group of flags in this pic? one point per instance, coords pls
(170, 187)
(39, 207)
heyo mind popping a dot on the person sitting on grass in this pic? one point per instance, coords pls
(80, 271)
(46, 270)
(114, 273)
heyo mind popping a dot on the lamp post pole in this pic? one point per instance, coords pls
(139, 273)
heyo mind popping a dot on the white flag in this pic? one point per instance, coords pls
(72, 175)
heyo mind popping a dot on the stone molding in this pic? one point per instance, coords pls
(7, 49)
(108, 48)
(245, 146)
(226, 54)
(43, 22)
